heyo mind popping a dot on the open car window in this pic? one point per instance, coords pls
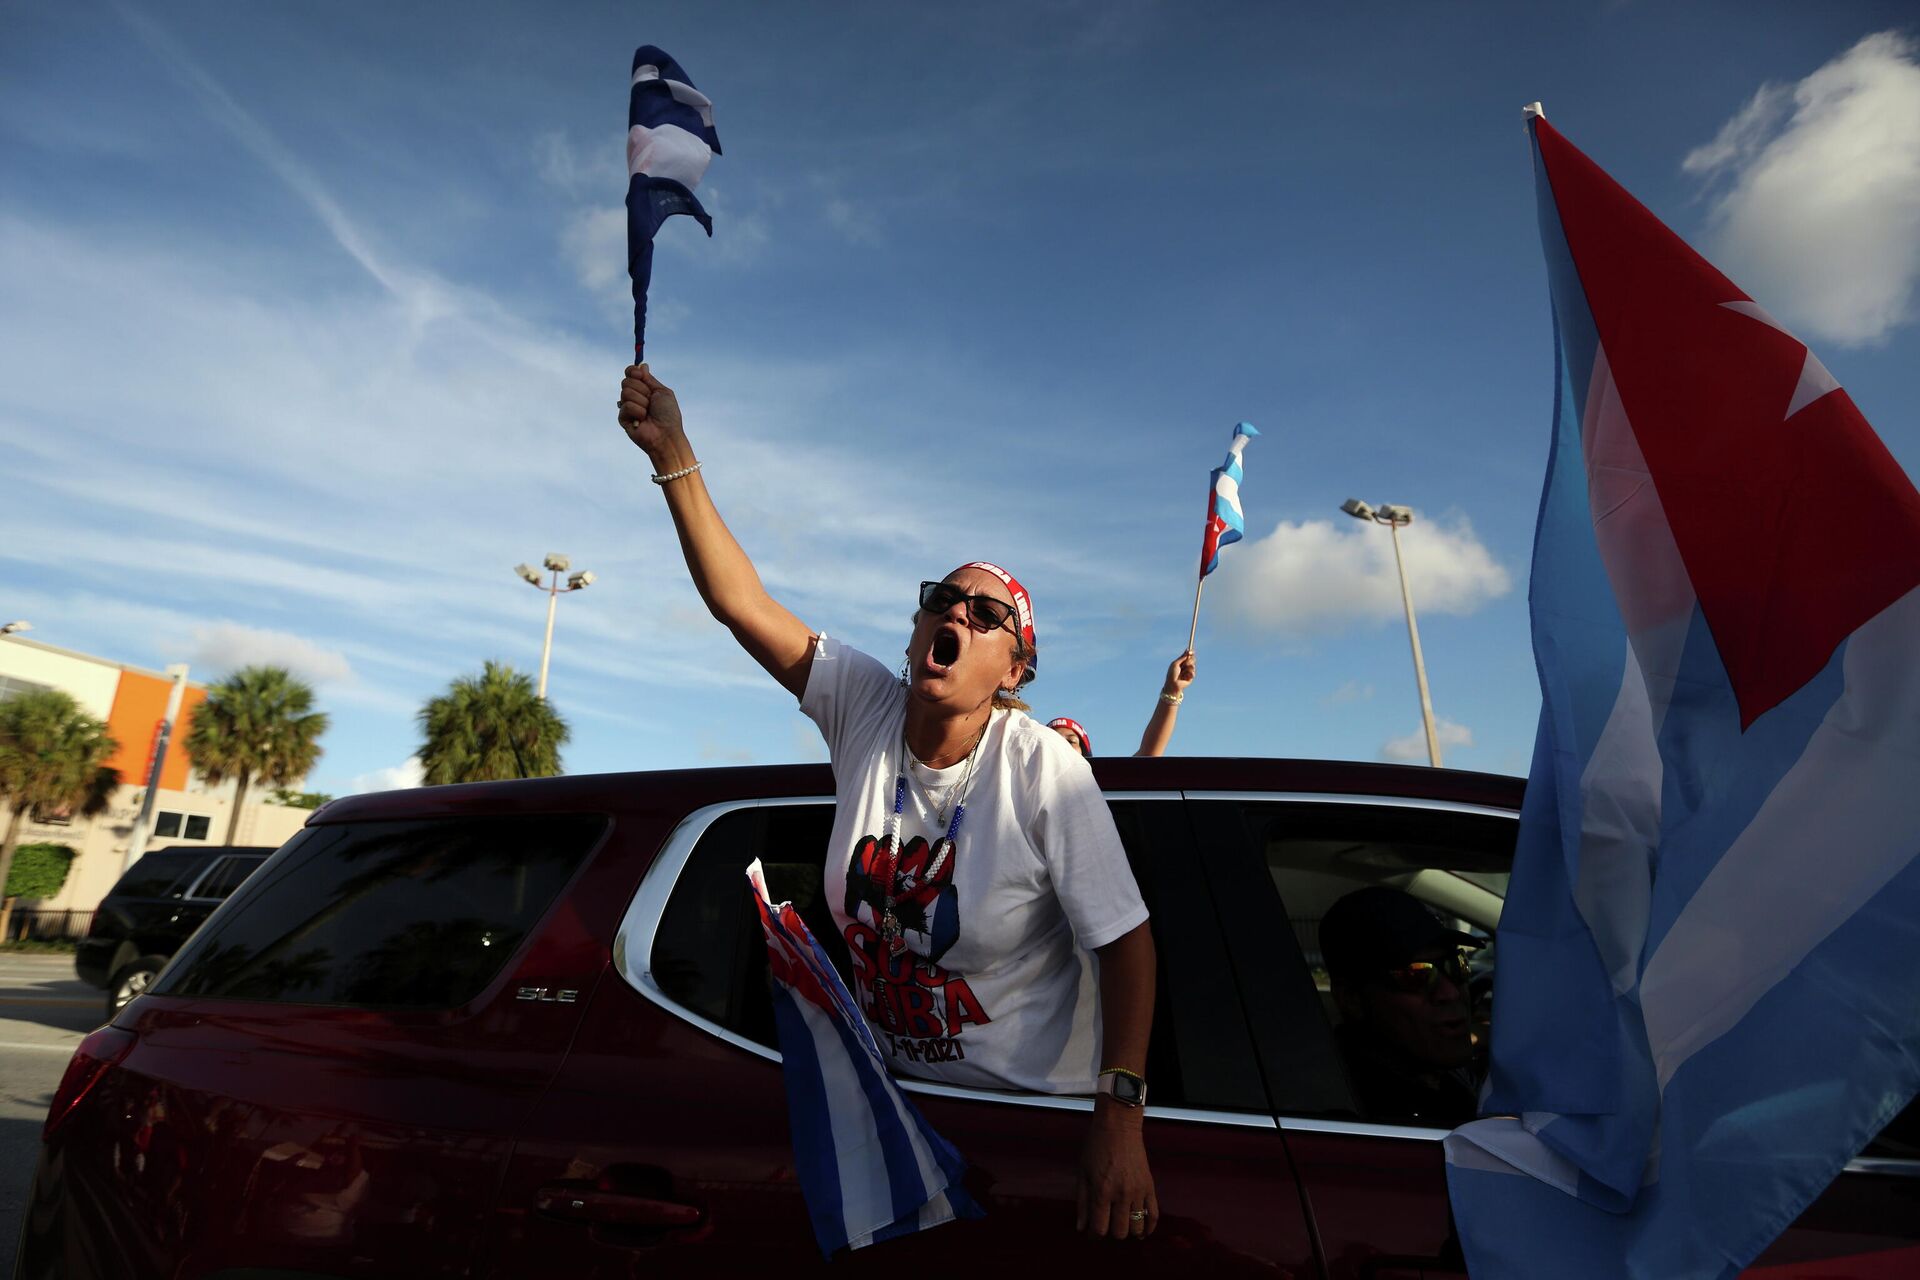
(710, 958)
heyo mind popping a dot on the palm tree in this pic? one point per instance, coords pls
(489, 728)
(257, 725)
(52, 758)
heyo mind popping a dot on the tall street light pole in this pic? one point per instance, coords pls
(1394, 517)
(575, 581)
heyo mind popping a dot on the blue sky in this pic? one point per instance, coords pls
(315, 317)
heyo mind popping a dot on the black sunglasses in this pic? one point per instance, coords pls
(984, 613)
(1420, 977)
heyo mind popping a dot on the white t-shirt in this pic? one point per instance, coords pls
(997, 985)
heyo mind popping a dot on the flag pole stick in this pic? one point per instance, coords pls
(1194, 630)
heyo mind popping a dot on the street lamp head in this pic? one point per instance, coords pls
(12, 627)
(1396, 514)
(584, 578)
(556, 562)
(526, 571)
(1357, 509)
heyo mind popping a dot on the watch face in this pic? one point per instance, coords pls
(1128, 1090)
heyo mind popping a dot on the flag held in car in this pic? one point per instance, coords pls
(1706, 995)
(870, 1166)
(670, 142)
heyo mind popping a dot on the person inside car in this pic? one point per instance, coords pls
(974, 870)
(1406, 1031)
(1159, 729)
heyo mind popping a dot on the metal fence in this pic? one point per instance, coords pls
(35, 924)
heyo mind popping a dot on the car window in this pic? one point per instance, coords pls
(159, 876)
(225, 876)
(420, 914)
(710, 957)
(1297, 859)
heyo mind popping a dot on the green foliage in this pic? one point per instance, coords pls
(491, 727)
(53, 755)
(257, 725)
(300, 799)
(38, 870)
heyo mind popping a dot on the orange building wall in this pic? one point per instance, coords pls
(138, 704)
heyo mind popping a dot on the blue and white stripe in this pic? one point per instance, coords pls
(869, 1165)
(1707, 997)
(1228, 523)
(670, 142)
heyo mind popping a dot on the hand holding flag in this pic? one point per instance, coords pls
(670, 142)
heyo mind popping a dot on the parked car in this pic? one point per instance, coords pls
(152, 909)
(523, 1030)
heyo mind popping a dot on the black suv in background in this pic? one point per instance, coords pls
(152, 910)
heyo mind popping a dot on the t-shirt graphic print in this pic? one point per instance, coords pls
(992, 982)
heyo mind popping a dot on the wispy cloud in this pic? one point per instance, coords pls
(1351, 691)
(1817, 204)
(408, 773)
(226, 647)
(1314, 578)
(1413, 746)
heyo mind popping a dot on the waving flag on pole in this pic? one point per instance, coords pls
(670, 142)
(1225, 523)
(869, 1166)
(1708, 1000)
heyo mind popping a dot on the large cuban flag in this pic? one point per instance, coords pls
(869, 1165)
(1708, 996)
(1225, 523)
(670, 142)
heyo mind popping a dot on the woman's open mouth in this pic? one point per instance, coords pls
(943, 652)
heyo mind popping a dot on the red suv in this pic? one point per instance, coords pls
(523, 1029)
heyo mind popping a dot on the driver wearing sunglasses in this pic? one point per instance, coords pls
(1399, 979)
(994, 931)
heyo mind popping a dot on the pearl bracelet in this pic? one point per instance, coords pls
(1172, 699)
(681, 474)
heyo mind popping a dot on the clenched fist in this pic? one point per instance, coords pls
(650, 415)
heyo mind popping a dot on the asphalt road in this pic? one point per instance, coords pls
(44, 1012)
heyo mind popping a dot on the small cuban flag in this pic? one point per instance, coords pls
(670, 142)
(869, 1165)
(1225, 523)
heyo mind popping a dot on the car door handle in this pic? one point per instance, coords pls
(614, 1208)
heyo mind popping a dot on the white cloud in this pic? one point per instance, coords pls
(600, 169)
(227, 646)
(1413, 746)
(1818, 207)
(1314, 578)
(408, 773)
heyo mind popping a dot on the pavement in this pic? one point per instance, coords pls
(44, 1012)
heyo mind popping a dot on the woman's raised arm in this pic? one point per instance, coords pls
(726, 579)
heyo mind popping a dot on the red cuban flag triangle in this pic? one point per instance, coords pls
(1709, 999)
(869, 1165)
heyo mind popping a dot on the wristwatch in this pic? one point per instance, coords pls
(1124, 1087)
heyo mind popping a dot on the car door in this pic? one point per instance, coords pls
(663, 1148)
(328, 1076)
(1377, 1184)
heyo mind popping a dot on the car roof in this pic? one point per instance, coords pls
(678, 791)
(179, 850)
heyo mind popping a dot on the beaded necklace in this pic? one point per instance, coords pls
(890, 930)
